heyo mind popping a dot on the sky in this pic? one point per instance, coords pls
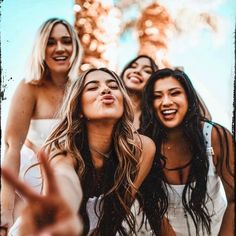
(207, 57)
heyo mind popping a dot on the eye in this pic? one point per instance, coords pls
(148, 71)
(175, 93)
(50, 42)
(66, 40)
(113, 85)
(92, 88)
(156, 96)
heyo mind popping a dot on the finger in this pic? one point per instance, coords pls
(52, 186)
(22, 188)
(71, 226)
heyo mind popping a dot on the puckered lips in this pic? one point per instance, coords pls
(135, 78)
(169, 114)
(107, 99)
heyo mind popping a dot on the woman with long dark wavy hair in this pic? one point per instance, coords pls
(191, 181)
(94, 145)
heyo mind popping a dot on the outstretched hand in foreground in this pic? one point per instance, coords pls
(45, 214)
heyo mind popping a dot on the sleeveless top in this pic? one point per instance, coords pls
(38, 132)
(40, 129)
(216, 201)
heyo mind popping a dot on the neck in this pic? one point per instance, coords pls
(58, 79)
(100, 135)
(175, 135)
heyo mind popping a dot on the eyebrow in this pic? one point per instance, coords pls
(63, 37)
(97, 82)
(175, 88)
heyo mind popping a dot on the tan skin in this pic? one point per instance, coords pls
(102, 92)
(135, 79)
(34, 102)
(170, 96)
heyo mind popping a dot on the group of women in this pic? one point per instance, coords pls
(102, 154)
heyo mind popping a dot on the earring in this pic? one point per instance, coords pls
(81, 116)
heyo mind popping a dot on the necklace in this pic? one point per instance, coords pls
(180, 167)
(106, 155)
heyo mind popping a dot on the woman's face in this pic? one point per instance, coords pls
(170, 102)
(59, 49)
(137, 75)
(101, 97)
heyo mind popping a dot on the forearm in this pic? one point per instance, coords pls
(11, 161)
(227, 226)
(68, 184)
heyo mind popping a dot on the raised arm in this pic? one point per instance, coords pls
(224, 158)
(56, 211)
(146, 159)
(20, 113)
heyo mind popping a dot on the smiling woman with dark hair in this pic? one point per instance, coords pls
(194, 163)
(135, 76)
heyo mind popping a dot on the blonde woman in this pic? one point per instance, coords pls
(54, 62)
(94, 144)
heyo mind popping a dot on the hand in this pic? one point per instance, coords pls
(6, 221)
(45, 214)
(166, 228)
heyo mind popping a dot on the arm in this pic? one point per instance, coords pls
(225, 167)
(18, 121)
(51, 213)
(146, 159)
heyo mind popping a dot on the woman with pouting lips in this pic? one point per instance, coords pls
(94, 145)
(191, 182)
(53, 64)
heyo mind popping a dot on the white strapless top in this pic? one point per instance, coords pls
(40, 129)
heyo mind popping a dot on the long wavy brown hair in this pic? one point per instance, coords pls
(119, 170)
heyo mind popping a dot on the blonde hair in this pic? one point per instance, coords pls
(36, 67)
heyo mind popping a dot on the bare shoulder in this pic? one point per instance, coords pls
(145, 143)
(147, 146)
(61, 158)
(222, 143)
(220, 135)
(146, 159)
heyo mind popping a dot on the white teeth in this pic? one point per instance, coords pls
(60, 58)
(166, 112)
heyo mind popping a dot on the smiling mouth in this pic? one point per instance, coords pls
(135, 79)
(169, 114)
(60, 58)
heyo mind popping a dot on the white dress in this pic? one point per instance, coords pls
(216, 207)
(176, 213)
(37, 134)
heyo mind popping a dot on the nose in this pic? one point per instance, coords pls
(166, 101)
(105, 90)
(138, 70)
(60, 47)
